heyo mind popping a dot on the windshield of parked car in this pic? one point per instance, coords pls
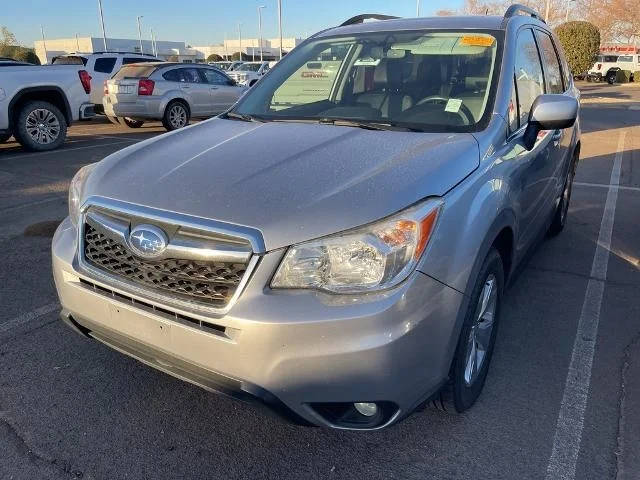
(222, 65)
(428, 80)
(69, 60)
(248, 67)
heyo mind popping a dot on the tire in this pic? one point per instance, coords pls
(560, 217)
(113, 120)
(40, 126)
(4, 137)
(176, 115)
(130, 122)
(464, 384)
(589, 79)
(611, 78)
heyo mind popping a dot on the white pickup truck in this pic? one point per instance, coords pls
(38, 103)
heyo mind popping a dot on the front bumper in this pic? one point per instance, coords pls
(290, 349)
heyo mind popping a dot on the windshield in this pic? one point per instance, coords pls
(222, 65)
(69, 60)
(248, 67)
(431, 81)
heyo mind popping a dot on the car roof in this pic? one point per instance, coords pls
(471, 22)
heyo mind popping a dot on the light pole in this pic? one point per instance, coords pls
(280, 25)
(260, 28)
(140, 32)
(240, 39)
(44, 44)
(153, 44)
(546, 11)
(77, 44)
(417, 8)
(104, 35)
(566, 18)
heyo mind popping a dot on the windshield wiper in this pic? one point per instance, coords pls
(344, 122)
(244, 117)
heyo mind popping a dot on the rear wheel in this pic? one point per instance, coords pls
(611, 78)
(176, 116)
(130, 122)
(40, 126)
(477, 338)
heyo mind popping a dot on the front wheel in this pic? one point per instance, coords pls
(40, 126)
(611, 78)
(475, 346)
(130, 122)
(560, 217)
(175, 116)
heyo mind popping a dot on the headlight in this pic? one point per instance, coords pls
(370, 258)
(75, 191)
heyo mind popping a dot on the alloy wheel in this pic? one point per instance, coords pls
(479, 337)
(42, 126)
(177, 116)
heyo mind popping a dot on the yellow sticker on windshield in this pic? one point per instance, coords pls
(476, 41)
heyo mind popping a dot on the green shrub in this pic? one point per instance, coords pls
(27, 55)
(214, 57)
(636, 77)
(581, 43)
(623, 76)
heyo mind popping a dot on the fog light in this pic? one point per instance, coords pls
(366, 409)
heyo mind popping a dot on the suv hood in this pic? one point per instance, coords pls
(292, 181)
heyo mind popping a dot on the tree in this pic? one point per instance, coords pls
(214, 57)
(581, 43)
(26, 55)
(236, 56)
(6, 37)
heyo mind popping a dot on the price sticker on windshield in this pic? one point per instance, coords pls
(476, 41)
(453, 105)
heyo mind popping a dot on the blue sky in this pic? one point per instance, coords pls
(197, 22)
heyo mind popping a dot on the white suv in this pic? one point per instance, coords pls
(249, 72)
(101, 66)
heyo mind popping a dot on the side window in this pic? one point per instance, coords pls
(213, 77)
(513, 109)
(528, 71)
(104, 65)
(190, 75)
(172, 75)
(552, 72)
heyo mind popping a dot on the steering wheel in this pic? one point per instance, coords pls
(463, 110)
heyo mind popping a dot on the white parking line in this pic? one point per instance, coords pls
(29, 316)
(34, 154)
(604, 185)
(31, 204)
(568, 435)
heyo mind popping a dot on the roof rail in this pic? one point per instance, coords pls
(126, 53)
(366, 16)
(516, 8)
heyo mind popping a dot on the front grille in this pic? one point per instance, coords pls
(213, 283)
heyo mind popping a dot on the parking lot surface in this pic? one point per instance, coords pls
(562, 399)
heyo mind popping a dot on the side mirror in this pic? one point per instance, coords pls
(550, 112)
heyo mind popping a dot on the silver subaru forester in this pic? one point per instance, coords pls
(335, 246)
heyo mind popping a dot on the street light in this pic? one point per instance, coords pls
(417, 8)
(140, 32)
(280, 25)
(260, 28)
(104, 35)
(240, 39)
(566, 18)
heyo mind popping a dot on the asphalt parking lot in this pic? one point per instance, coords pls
(72, 408)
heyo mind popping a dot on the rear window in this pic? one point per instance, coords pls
(70, 60)
(134, 71)
(127, 60)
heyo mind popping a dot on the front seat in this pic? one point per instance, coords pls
(388, 95)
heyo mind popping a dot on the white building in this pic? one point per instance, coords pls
(174, 51)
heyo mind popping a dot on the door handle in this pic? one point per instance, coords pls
(185, 87)
(214, 88)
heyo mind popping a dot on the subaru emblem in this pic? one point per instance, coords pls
(147, 241)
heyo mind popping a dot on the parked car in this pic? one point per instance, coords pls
(38, 103)
(101, 66)
(249, 72)
(340, 259)
(171, 92)
(227, 66)
(606, 66)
